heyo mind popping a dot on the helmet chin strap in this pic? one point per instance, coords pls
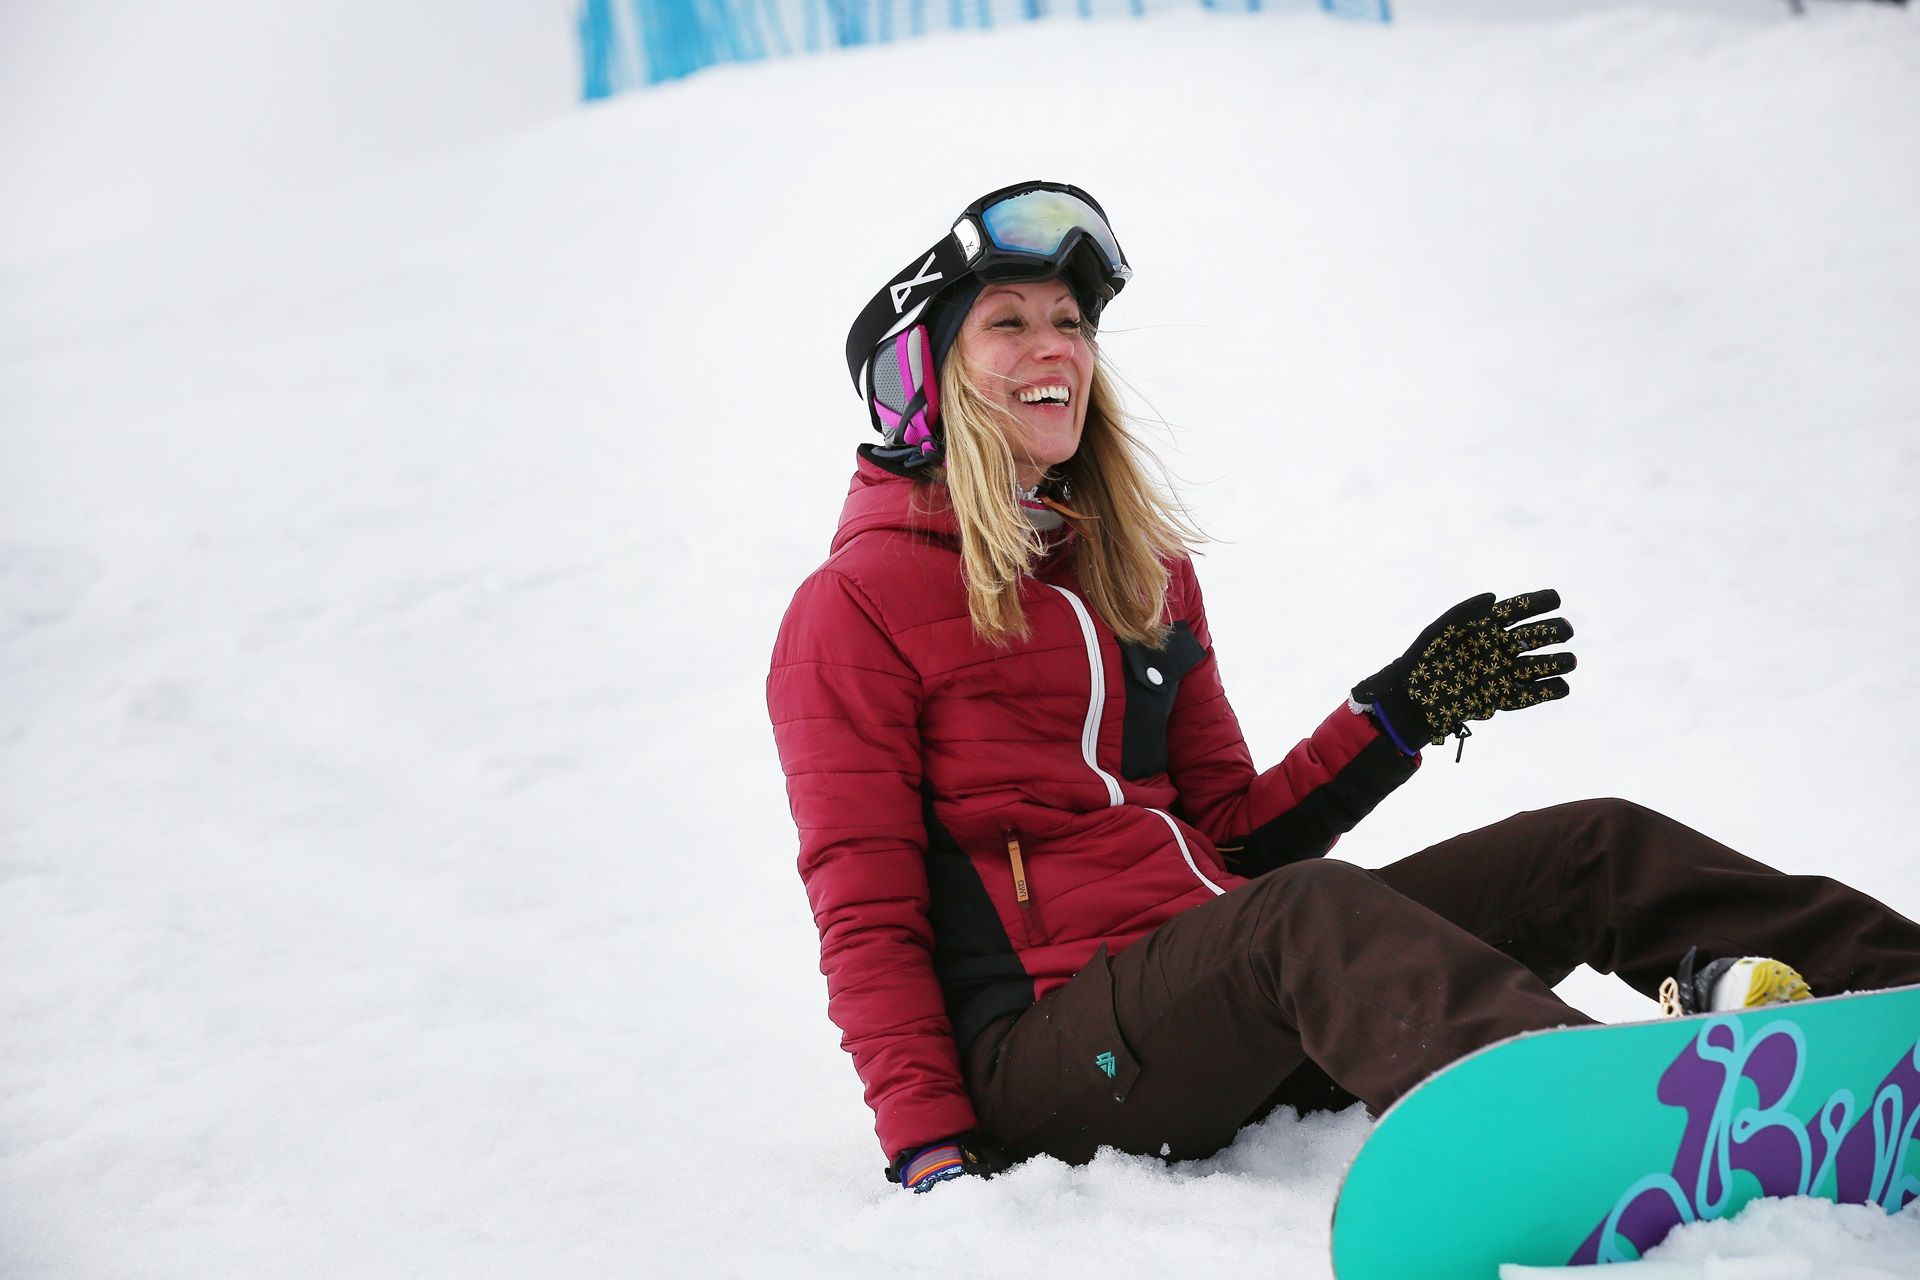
(1043, 510)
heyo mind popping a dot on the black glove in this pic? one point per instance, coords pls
(1469, 664)
(920, 1168)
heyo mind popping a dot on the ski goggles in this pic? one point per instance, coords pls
(1029, 231)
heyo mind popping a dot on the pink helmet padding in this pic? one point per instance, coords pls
(911, 371)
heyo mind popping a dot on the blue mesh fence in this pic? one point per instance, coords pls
(628, 44)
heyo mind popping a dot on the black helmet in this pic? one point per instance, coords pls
(1029, 231)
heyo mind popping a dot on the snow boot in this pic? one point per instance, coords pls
(1725, 985)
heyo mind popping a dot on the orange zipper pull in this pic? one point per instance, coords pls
(1019, 868)
(1022, 892)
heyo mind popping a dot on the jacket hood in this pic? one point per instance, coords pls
(879, 499)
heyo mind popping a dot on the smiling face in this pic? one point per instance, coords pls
(1034, 359)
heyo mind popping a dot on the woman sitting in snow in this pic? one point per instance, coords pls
(1059, 907)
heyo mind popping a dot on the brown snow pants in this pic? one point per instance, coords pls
(1322, 983)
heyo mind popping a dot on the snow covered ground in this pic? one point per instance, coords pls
(116, 117)
(395, 875)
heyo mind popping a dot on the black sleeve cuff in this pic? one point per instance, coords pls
(1309, 829)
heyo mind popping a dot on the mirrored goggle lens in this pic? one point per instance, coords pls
(1038, 221)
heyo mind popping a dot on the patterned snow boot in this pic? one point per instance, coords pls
(1722, 986)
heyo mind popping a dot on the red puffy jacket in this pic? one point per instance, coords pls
(975, 822)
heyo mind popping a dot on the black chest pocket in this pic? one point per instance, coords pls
(1153, 681)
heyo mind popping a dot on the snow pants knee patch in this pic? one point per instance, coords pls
(1166, 1049)
(1057, 1078)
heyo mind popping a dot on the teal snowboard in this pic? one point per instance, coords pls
(1589, 1144)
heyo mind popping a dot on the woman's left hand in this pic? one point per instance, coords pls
(1477, 658)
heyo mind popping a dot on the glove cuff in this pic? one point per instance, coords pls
(1403, 722)
(1386, 725)
(919, 1170)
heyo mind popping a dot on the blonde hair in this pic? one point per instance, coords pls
(1132, 522)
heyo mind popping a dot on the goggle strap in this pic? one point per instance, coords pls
(911, 288)
(910, 318)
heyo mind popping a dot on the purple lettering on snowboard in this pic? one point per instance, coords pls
(1864, 1153)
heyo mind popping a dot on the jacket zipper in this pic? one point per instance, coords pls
(1090, 736)
(1187, 853)
(1097, 700)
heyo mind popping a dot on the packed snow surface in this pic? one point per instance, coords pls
(395, 872)
(1790, 1239)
